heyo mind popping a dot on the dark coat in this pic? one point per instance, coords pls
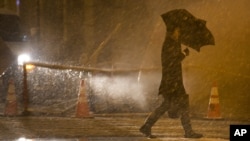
(171, 58)
(171, 87)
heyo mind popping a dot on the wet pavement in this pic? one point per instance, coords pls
(123, 139)
(107, 128)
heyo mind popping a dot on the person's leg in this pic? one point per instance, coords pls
(152, 118)
(185, 120)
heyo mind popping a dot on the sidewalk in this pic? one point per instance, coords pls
(106, 127)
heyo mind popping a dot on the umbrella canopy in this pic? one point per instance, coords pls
(193, 31)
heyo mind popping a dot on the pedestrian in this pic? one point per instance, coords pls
(176, 101)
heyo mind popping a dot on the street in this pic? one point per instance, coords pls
(107, 127)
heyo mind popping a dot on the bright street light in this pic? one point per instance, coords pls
(22, 59)
(25, 58)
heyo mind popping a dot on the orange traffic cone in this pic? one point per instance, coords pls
(11, 104)
(82, 107)
(214, 104)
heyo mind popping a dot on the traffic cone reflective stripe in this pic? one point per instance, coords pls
(214, 98)
(82, 107)
(214, 104)
(11, 100)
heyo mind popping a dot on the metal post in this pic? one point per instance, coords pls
(25, 91)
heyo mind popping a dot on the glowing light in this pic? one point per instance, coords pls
(30, 67)
(22, 139)
(17, 2)
(23, 58)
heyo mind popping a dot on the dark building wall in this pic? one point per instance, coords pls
(62, 27)
(51, 28)
(29, 14)
(8, 4)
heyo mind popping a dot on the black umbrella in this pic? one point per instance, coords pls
(193, 31)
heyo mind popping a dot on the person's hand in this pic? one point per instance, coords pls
(186, 51)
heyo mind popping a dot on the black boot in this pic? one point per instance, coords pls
(149, 122)
(186, 123)
(146, 130)
(152, 118)
(189, 133)
(192, 134)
